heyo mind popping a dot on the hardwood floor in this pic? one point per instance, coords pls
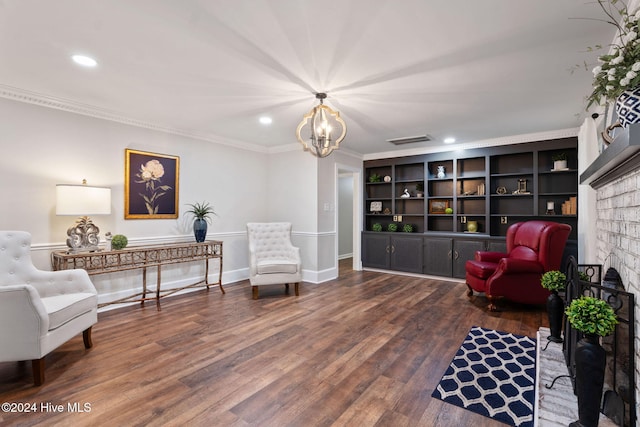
(366, 349)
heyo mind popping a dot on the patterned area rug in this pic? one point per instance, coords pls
(493, 374)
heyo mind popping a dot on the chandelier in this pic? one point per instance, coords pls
(321, 121)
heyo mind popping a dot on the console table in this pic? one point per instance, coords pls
(142, 257)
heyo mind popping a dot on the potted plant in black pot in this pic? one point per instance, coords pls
(594, 318)
(554, 281)
(201, 212)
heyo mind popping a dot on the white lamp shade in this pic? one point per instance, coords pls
(82, 200)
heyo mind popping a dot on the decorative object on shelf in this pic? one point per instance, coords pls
(376, 227)
(119, 241)
(321, 122)
(440, 171)
(617, 78)
(201, 212)
(375, 207)
(448, 211)
(481, 189)
(554, 281)
(522, 187)
(150, 185)
(594, 318)
(407, 228)
(83, 200)
(419, 190)
(392, 227)
(107, 238)
(405, 194)
(501, 190)
(387, 178)
(375, 178)
(551, 209)
(472, 226)
(570, 207)
(438, 206)
(386, 211)
(559, 162)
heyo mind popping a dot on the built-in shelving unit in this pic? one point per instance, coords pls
(467, 198)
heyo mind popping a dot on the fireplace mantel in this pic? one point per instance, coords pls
(618, 159)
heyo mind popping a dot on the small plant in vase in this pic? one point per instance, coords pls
(594, 318)
(201, 213)
(375, 178)
(377, 227)
(554, 281)
(419, 189)
(559, 161)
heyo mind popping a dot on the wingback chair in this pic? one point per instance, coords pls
(40, 310)
(533, 248)
(272, 257)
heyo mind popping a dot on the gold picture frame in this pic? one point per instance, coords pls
(151, 185)
(438, 206)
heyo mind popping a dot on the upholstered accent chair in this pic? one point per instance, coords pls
(273, 259)
(40, 310)
(533, 248)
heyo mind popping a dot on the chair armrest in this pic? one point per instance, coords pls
(519, 266)
(494, 257)
(23, 320)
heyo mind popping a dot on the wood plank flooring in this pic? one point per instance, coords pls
(366, 349)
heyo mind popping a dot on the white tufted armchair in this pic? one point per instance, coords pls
(40, 310)
(272, 257)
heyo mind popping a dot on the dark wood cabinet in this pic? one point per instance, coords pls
(464, 250)
(437, 256)
(396, 252)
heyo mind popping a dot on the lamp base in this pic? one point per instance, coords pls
(83, 236)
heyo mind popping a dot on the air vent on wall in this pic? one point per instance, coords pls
(409, 139)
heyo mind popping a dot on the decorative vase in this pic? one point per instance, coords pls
(590, 360)
(472, 226)
(555, 311)
(559, 165)
(200, 229)
(440, 172)
(628, 107)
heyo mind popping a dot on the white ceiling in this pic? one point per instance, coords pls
(476, 70)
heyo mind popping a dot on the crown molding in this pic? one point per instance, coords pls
(70, 106)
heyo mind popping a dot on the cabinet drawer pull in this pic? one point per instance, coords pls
(455, 254)
(449, 254)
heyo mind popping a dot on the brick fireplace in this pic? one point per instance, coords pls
(615, 177)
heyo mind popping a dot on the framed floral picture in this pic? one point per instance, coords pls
(150, 185)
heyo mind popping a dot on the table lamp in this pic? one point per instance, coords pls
(82, 200)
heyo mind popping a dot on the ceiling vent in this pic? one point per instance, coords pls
(409, 139)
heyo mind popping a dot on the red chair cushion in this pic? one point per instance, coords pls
(479, 269)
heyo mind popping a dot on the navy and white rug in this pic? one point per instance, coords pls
(493, 374)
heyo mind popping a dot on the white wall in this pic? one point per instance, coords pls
(42, 147)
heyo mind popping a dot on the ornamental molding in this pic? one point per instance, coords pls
(42, 100)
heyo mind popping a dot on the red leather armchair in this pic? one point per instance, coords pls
(533, 247)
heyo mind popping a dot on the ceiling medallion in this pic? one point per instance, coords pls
(322, 122)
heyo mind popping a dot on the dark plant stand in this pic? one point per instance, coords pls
(555, 311)
(590, 360)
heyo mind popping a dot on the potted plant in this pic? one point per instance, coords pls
(119, 241)
(594, 318)
(407, 228)
(419, 189)
(554, 281)
(201, 212)
(392, 227)
(559, 161)
(377, 227)
(375, 178)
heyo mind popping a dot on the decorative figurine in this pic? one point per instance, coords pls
(406, 194)
(440, 173)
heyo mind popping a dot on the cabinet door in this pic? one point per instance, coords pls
(464, 250)
(497, 246)
(437, 256)
(375, 250)
(406, 253)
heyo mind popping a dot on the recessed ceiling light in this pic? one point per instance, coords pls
(265, 120)
(449, 140)
(85, 61)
